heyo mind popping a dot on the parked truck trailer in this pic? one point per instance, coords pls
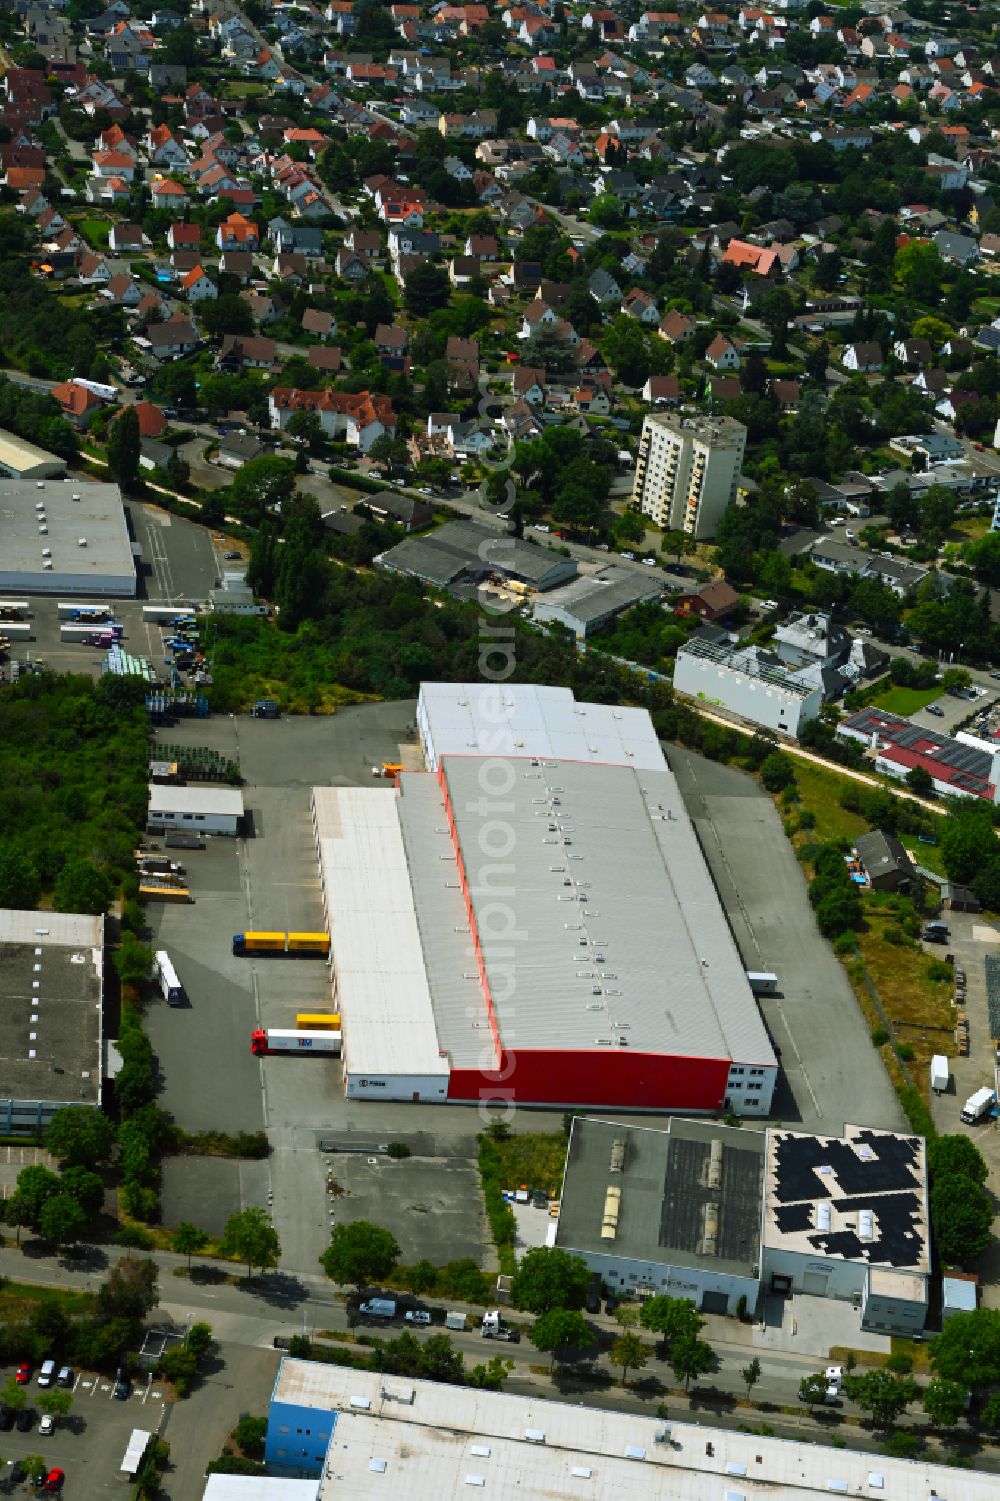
(304, 944)
(265, 1041)
(978, 1105)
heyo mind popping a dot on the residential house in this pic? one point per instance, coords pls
(864, 357)
(358, 418)
(722, 355)
(198, 286)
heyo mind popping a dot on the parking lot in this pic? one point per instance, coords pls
(90, 1443)
(180, 561)
(831, 1073)
(432, 1205)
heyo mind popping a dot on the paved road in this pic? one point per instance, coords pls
(832, 1074)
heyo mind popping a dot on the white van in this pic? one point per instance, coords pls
(47, 1374)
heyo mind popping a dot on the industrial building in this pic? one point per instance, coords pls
(585, 605)
(573, 952)
(21, 460)
(749, 682)
(360, 1434)
(461, 555)
(201, 809)
(674, 1211)
(958, 766)
(847, 1218)
(713, 1213)
(687, 470)
(52, 991)
(65, 537)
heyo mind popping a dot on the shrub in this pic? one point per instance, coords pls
(846, 943)
(896, 937)
(903, 1052)
(777, 771)
(917, 1114)
(879, 1037)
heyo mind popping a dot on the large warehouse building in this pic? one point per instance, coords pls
(65, 537)
(532, 920)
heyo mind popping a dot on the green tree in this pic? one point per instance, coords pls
(249, 1236)
(128, 1293)
(919, 270)
(188, 1240)
(56, 1402)
(561, 1329)
(882, 1393)
(955, 1157)
(14, 1396)
(777, 772)
(983, 557)
(968, 840)
(123, 447)
(20, 886)
(961, 1219)
(179, 1366)
(199, 1339)
(360, 1253)
(629, 1352)
(427, 288)
(133, 960)
(51, 1323)
(86, 1188)
(671, 1318)
(306, 426)
(751, 1375)
(250, 1434)
(944, 1401)
(62, 1220)
(812, 1390)
(421, 1277)
(690, 1357)
(82, 886)
(261, 486)
(80, 1137)
(548, 1277)
(35, 1186)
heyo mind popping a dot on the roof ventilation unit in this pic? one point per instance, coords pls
(715, 1165)
(866, 1226)
(710, 1231)
(81, 541)
(824, 1216)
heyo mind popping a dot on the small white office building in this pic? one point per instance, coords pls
(196, 810)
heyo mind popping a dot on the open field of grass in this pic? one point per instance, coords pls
(534, 1159)
(19, 1300)
(918, 1005)
(94, 231)
(906, 701)
(819, 794)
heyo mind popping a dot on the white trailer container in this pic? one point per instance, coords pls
(455, 1321)
(265, 1041)
(74, 609)
(13, 608)
(107, 628)
(167, 612)
(762, 982)
(939, 1073)
(978, 1105)
(20, 630)
(170, 987)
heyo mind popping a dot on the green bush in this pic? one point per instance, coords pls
(879, 1037)
(845, 943)
(503, 1226)
(917, 1114)
(903, 1052)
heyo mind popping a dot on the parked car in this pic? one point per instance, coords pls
(6, 1419)
(416, 1316)
(18, 1472)
(23, 1373)
(123, 1386)
(47, 1374)
(54, 1480)
(25, 1418)
(933, 709)
(48, 1423)
(230, 556)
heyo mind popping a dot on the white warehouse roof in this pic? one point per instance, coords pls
(528, 719)
(381, 976)
(419, 1441)
(223, 802)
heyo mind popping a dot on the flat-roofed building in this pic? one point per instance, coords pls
(199, 809)
(52, 991)
(65, 537)
(422, 1440)
(20, 459)
(848, 1218)
(460, 555)
(559, 988)
(687, 470)
(586, 604)
(675, 1211)
(750, 682)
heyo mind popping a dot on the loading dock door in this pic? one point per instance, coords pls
(815, 1283)
(715, 1303)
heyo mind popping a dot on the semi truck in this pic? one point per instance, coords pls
(168, 614)
(317, 1021)
(265, 1041)
(978, 1105)
(315, 944)
(170, 987)
(78, 631)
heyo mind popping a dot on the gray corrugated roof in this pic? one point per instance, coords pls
(619, 931)
(593, 596)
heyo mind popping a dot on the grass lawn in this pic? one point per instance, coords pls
(819, 793)
(95, 232)
(18, 1300)
(968, 528)
(534, 1159)
(906, 701)
(918, 1006)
